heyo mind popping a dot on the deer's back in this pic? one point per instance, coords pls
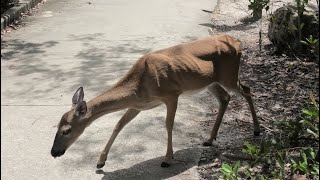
(208, 49)
(193, 65)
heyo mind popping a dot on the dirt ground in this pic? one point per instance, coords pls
(281, 85)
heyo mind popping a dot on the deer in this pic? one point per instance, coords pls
(157, 78)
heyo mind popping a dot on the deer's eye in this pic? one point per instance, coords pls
(67, 131)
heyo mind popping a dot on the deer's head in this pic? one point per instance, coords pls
(71, 125)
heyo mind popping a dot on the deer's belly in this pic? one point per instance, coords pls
(147, 105)
(193, 91)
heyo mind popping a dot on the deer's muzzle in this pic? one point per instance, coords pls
(57, 153)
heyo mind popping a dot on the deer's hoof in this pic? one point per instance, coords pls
(99, 166)
(207, 144)
(165, 164)
(256, 133)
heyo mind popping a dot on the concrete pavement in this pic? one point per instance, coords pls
(72, 43)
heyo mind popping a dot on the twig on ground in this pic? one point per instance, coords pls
(207, 11)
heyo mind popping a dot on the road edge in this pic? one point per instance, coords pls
(14, 13)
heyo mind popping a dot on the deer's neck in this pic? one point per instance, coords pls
(121, 96)
(115, 99)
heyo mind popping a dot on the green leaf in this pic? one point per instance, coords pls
(310, 38)
(313, 133)
(262, 177)
(315, 170)
(273, 141)
(280, 158)
(226, 167)
(307, 112)
(304, 157)
(236, 167)
(306, 122)
(249, 149)
(303, 167)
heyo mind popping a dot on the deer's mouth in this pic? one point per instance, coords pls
(57, 153)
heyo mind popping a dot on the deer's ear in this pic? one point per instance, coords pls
(78, 96)
(81, 109)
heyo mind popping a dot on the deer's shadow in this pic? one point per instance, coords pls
(183, 160)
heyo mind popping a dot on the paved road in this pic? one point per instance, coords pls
(72, 43)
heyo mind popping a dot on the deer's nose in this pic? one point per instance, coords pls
(57, 153)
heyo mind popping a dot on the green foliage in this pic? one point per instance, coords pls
(310, 121)
(276, 152)
(280, 158)
(312, 44)
(293, 128)
(290, 33)
(257, 6)
(301, 4)
(304, 127)
(229, 172)
(306, 163)
(261, 153)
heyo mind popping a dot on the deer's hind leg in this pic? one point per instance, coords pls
(244, 91)
(223, 99)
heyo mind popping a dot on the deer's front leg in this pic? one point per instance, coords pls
(171, 104)
(127, 117)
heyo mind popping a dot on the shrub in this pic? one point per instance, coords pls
(6, 4)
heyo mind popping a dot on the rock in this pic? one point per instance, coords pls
(282, 30)
(299, 177)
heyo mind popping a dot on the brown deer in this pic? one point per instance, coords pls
(161, 77)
